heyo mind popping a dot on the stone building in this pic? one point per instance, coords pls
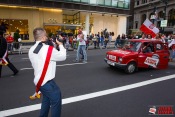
(155, 11)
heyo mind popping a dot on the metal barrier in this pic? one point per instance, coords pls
(20, 47)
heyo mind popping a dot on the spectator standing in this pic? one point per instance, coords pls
(74, 42)
(102, 41)
(81, 47)
(158, 36)
(149, 37)
(143, 36)
(98, 40)
(95, 40)
(123, 37)
(118, 41)
(106, 39)
(110, 37)
(10, 41)
(87, 42)
(163, 38)
(172, 45)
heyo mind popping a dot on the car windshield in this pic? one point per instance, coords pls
(131, 45)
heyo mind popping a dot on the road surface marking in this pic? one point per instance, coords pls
(35, 107)
(58, 65)
(25, 58)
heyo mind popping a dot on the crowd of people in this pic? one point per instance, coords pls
(169, 39)
(99, 40)
(102, 39)
(162, 37)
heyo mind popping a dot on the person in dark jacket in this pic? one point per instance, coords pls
(4, 60)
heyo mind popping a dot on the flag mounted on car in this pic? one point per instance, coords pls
(149, 28)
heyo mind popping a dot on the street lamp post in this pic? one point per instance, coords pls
(166, 3)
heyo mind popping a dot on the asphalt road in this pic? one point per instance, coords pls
(81, 79)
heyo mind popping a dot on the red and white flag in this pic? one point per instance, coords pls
(149, 28)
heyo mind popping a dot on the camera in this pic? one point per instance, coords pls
(60, 39)
(61, 36)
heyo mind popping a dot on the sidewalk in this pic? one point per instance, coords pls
(24, 48)
(172, 63)
(91, 47)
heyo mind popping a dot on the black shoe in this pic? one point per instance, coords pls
(15, 73)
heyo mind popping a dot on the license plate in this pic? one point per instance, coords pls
(111, 63)
(112, 57)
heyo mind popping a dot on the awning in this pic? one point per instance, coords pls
(60, 24)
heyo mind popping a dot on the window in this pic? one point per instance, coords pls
(171, 17)
(126, 5)
(85, 1)
(108, 2)
(147, 47)
(93, 1)
(76, 0)
(136, 24)
(17, 24)
(114, 3)
(120, 4)
(138, 2)
(144, 1)
(101, 2)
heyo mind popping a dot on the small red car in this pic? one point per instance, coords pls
(139, 53)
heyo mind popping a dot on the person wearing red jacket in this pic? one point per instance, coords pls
(10, 41)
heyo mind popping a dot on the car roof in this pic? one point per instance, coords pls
(146, 40)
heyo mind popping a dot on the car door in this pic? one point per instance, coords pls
(144, 57)
(162, 51)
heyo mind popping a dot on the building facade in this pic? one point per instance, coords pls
(155, 11)
(65, 15)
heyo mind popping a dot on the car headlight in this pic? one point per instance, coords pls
(107, 55)
(120, 59)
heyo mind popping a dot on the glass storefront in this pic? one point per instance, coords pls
(24, 19)
(109, 3)
(15, 25)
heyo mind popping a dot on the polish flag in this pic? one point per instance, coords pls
(149, 28)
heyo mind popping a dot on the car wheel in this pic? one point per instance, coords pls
(131, 68)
